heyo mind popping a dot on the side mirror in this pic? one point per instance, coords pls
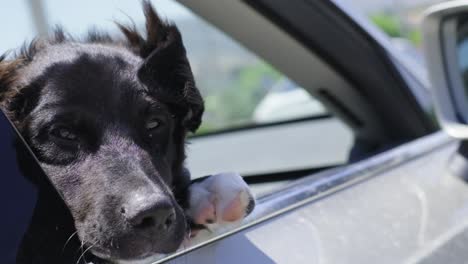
(445, 31)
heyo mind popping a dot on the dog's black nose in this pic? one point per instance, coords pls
(151, 212)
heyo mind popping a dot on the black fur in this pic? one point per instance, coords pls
(83, 107)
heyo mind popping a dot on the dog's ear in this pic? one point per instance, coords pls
(15, 101)
(8, 69)
(166, 70)
(7, 77)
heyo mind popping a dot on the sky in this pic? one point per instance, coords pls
(75, 16)
(78, 16)
(15, 24)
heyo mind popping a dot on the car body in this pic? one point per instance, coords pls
(364, 182)
(399, 205)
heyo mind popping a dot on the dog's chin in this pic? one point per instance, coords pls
(136, 250)
(143, 259)
(106, 257)
(146, 260)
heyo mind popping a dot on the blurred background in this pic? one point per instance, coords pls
(239, 88)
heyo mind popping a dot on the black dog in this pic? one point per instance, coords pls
(107, 120)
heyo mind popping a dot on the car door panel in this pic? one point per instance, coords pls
(401, 206)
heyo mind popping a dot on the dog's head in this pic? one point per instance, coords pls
(107, 120)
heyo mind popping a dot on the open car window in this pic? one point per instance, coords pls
(240, 89)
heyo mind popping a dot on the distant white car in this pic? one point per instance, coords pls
(287, 101)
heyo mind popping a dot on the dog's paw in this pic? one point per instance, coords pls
(220, 199)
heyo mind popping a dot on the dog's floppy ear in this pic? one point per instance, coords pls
(7, 77)
(165, 70)
(15, 101)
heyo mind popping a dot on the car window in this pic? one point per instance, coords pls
(240, 90)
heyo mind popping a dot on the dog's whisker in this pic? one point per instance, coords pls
(84, 252)
(68, 240)
(81, 246)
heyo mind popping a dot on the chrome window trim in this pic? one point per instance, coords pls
(320, 185)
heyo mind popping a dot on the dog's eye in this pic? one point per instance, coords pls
(152, 124)
(64, 133)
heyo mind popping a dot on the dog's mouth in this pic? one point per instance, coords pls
(100, 255)
(139, 249)
(116, 240)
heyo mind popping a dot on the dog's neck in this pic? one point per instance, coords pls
(51, 236)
